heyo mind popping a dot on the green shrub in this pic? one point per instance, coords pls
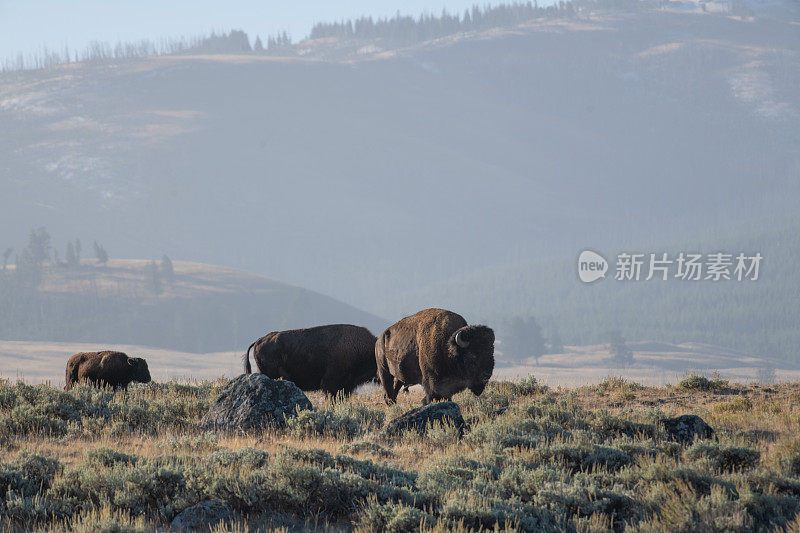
(787, 456)
(364, 446)
(242, 458)
(612, 426)
(479, 512)
(738, 404)
(697, 382)
(107, 457)
(322, 423)
(723, 458)
(367, 418)
(364, 469)
(106, 519)
(28, 475)
(529, 386)
(617, 384)
(392, 517)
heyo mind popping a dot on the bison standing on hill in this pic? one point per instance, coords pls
(114, 369)
(334, 358)
(437, 349)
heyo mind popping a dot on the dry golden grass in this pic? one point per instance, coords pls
(592, 458)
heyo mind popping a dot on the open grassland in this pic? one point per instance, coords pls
(593, 458)
(655, 363)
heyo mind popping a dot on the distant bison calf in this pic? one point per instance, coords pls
(435, 348)
(113, 369)
(334, 358)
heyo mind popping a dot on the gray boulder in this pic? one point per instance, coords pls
(204, 515)
(686, 428)
(253, 401)
(418, 419)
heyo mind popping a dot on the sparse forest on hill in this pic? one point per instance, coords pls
(394, 31)
(603, 124)
(182, 306)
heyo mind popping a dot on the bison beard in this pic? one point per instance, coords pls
(437, 349)
(335, 358)
(114, 369)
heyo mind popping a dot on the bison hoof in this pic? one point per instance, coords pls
(389, 401)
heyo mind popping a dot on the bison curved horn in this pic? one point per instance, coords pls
(460, 340)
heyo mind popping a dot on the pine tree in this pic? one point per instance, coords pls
(556, 344)
(621, 354)
(523, 338)
(77, 251)
(258, 46)
(6, 256)
(70, 255)
(167, 270)
(39, 245)
(153, 278)
(100, 253)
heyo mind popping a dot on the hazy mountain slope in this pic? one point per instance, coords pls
(756, 317)
(367, 179)
(205, 309)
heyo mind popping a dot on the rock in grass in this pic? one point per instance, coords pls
(418, 419)
(686, 428)
(254, 401)
(204, 515)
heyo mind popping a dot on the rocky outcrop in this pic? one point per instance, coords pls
(420, 418)
(254, 401)
(686, 428)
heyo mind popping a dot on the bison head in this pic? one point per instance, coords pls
(474, 347)
(139, 370)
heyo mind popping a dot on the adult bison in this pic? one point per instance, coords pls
(437, 349)
(334, 358)
(106, 368)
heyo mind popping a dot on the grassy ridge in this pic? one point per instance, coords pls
(588, 459)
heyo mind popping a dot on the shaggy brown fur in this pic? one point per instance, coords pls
(107, 368)
(334, 358)
(422, 349)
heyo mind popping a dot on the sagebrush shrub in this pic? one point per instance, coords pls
(242, 458)
(697, 382)
(723, 458)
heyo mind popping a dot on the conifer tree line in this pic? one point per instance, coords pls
(399, 29)
(32, 261)
(407, 29)
(232, 42)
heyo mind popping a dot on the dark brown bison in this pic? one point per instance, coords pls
(435, 348)
(335, 358)
(107, 368)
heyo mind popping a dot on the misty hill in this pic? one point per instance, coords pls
(755, 317)
(378, 172)
(204, 309)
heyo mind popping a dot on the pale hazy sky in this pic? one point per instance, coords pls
(28, 25)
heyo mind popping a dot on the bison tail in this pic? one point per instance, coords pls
(247, 368)
(72, 374)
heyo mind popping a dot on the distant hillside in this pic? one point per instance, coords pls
(462, 170)
(368, 172)
(759, 318)
(203, 309)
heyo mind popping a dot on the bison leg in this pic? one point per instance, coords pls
(430, 393)
(390, 385)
